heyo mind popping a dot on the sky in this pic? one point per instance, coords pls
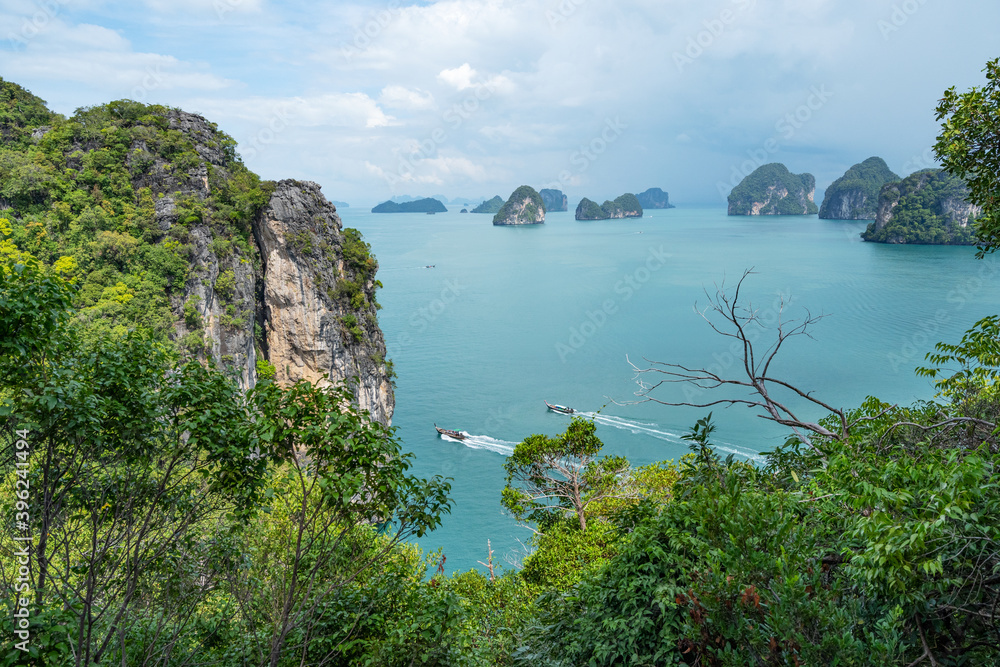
(473, 98)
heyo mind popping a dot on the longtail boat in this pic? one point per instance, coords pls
(562, 409)
(450, 433)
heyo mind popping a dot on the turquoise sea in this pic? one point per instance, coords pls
(509, 316)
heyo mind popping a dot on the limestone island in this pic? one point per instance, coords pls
(554, 200)
(625, 206)
(772, 190)
(928, 207)
(654, 198)
(491, 206)
(427, 205)
(341, 204)
(854, 196)
(524, 207)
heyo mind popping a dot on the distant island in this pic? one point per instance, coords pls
(554, 200)
(654, 198)
(625, 206)
(341, 204)
(524, 207)
(772, 190)
(427, 205)
(491, 206)
(928, 207)
(854, 196)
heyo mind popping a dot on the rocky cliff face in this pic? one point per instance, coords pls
(654, 198)
(772, 190)
(524, 207)
(554, 200)
(172, 233)
(625, 206)
(287, 297)
(854, 196)
(317, 300)
(927, 207)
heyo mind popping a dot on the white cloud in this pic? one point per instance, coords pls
(401, 97)
(218, 7)
(459, 78)
(331, 110)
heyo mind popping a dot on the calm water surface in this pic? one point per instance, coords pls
(510, 316)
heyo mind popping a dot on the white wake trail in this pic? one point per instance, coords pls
(503, 447)
(645, 428)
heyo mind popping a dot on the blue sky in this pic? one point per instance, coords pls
(473, 98)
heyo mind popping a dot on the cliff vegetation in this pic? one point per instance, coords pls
(772, 190)
(927, 207)
(854, 196)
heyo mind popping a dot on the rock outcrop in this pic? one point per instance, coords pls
(554, 200)
(491, 206)
(318, 297)
(524, 207)
(426, 205)
(772, 190)
(259, 277)
(654, 198)
(929, 207)
(589, 210)
(625, 206)
(854, 196)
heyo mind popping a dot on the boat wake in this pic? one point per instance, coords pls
(647, 428)
(502, 447)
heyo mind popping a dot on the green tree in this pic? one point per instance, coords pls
(969, 147)
(550, 477)
(146, 476)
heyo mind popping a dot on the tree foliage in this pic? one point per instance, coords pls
(969, 147)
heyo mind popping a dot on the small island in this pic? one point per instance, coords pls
(554, 200)
(491, 206)
(625, 206)
(524, 207)
(427, 205)
(854, 196)
(773, 190)
(928, 207)
(654, 198)
(341, 204)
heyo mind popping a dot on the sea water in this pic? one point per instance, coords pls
(566, 311)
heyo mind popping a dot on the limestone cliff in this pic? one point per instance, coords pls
(854, 196)
(654, 198)
(772, 190)
(294, 302)
(554, 200)
(317, 297)
(927, 207)
(524, 207)
(170, 232)
(625, 206)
